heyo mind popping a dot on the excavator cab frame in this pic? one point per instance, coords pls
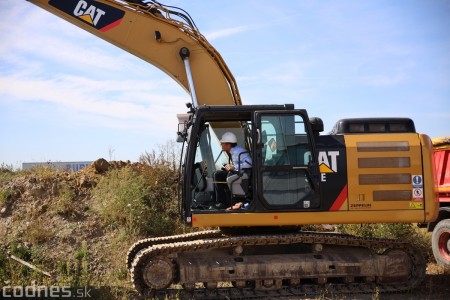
(277, 181)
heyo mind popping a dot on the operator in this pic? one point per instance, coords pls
(240, 159)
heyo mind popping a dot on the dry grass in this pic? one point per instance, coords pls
(66, 203)
(37, 232)
(4, 195)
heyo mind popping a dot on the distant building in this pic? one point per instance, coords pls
(65, 166)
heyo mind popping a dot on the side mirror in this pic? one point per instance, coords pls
(316, 125)
(183, 129)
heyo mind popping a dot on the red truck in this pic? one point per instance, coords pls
(441, 227)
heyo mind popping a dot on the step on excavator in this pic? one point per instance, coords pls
(366, 170)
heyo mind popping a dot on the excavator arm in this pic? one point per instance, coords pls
(163, 36)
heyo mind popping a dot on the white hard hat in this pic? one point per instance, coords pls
(228, 137)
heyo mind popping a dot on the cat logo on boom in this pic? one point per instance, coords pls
(101, 16)
(89, 14)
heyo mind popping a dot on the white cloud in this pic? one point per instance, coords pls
(79, 96)
(229, 31)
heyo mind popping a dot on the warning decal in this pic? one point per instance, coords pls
(416, 205)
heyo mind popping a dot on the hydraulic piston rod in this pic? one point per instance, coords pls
(184, 54)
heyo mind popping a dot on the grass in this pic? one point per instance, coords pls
(409, 232)
(77, 269)
(15, 273)
(5, 194)
(66, 203)
(376, 294)
(5, 174)
(42, 172)
(37, 232)
(141, 205)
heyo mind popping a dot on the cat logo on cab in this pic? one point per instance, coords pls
(327, 163)
(101, 16)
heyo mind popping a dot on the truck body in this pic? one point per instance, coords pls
(441, 227)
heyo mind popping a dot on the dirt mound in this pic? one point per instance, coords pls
(42, 184)
(47, 218)
(101, 166)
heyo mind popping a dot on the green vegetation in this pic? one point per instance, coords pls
(4, 195)
(42, 172)
(403, 231)
(13, 272)
(75, 271)
(141, 204)
(66, 202)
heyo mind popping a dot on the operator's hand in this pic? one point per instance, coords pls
(229, 167)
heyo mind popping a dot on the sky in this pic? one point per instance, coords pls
(66, 95)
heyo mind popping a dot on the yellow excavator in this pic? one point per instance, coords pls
(366, 170)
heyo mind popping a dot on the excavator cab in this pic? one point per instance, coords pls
(299, 176)
(283, 174)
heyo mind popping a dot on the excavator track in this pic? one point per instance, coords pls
(261, 266)
(147, 243)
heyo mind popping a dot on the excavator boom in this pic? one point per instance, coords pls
(155, 34)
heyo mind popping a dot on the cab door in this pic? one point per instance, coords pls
(287, 175)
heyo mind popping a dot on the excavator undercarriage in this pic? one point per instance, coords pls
(210, 265)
